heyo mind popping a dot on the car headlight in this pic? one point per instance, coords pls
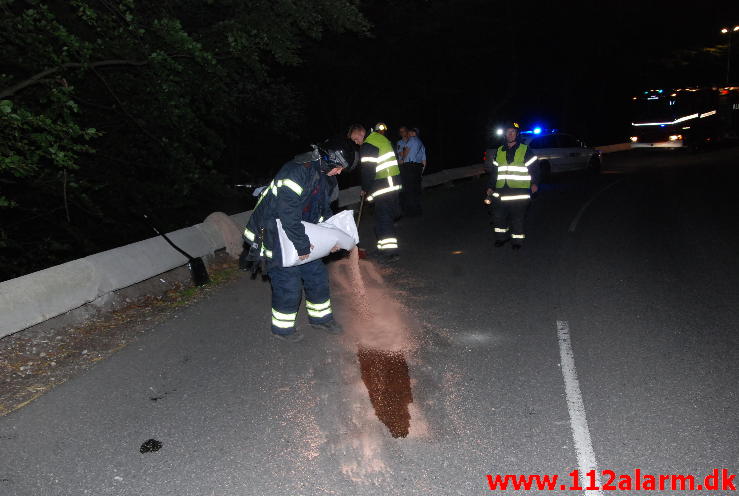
(634, 139)
(676, 137)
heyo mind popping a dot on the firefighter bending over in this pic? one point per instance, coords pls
(299, 192)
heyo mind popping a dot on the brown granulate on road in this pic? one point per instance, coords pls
(380, 330)
(389, 387)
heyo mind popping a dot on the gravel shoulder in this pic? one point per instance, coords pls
(37, 359)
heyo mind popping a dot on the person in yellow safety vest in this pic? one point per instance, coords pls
(513, 177)
(381, 186)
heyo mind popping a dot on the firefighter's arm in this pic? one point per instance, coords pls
(492, 178)
(368, 167)
(331, 185)
(289, 211)
(492, 171)
(533, 165)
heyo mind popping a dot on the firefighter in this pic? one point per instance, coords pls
(299, 192)
(513, 177)
(381, 186)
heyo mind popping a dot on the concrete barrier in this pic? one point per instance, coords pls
(39, 296)
(36, 297)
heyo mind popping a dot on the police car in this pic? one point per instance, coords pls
(557, 152)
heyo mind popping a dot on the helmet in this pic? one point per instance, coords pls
(380, 126)
(338, 152)
(503, 130)
(512, 125)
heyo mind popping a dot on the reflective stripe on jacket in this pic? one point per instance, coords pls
(386, 163)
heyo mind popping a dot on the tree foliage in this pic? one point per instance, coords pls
(112, 108)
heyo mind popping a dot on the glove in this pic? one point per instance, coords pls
(251, 261)
(244, 263)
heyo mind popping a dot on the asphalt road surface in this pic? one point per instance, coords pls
(608, 343)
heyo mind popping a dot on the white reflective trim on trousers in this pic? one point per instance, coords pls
(318, 306)
(284, 316)
(389, 246)
(518, 236)
(514, 176)
(496, 194)
(531, 160)
(515, 197)
(249, 235)
(282, 324)
(386, 165)
(513, 168)
(500, 230)
(387, 240)
(319, 313)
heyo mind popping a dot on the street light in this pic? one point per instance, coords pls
(730, 32)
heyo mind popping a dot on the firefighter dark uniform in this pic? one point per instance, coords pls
(299, 192)
(381, 183)
(514, 171)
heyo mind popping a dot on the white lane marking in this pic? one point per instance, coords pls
(576, 407)
(573, 224)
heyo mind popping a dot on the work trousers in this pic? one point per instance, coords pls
(287, 292)
(508, 219)
(410, 195)
(387, 209)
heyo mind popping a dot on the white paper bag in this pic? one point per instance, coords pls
(338, 230)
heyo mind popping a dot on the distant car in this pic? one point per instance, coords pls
(557, 152)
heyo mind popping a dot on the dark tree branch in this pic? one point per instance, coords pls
(39, 77)
(114, 11)
(125, 111)
(93, 104)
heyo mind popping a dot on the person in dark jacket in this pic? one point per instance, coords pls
(301, 191)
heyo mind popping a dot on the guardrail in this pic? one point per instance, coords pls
(34, 298)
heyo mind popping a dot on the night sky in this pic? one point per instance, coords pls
(453, 69)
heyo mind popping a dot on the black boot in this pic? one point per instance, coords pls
(500, 242)
(293, 337)
(331, 327)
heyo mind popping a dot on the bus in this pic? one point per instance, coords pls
(685, 117)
